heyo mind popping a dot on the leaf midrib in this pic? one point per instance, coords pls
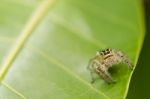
(38, 15)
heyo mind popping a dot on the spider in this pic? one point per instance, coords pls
(104, 60)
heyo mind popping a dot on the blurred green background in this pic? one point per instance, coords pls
(140, 83)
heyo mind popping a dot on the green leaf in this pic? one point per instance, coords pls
(52, 63)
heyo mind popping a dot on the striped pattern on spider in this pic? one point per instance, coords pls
(104, 60)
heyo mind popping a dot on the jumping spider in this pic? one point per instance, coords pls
(104, 60)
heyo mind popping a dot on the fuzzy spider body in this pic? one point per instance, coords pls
(104, 60)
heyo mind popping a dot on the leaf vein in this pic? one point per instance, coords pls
(60, 21)
(61, 65)
(13, 90)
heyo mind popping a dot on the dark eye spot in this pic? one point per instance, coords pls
(101, 53)
(107, 49)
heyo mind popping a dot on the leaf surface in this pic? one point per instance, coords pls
(52, 64)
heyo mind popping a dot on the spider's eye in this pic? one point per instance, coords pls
(107, 49)
(101, 53)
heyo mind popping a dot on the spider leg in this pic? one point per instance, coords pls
(96, 68)
(127, 61)
(91, 68)
(89, 64)
(124, 58)
(93, 77)
(104, 74)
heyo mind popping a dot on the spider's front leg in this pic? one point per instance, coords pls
(104, 74)
(97, 68)
(126, 60)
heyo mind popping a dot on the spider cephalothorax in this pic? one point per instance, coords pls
(104, 60)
